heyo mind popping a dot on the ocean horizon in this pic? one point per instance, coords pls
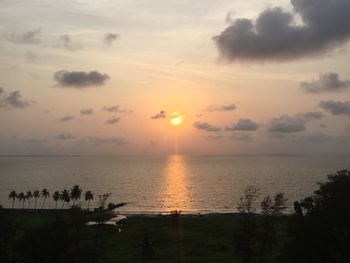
(162, 183)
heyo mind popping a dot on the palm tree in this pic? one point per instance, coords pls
(75, 193)
(65, 197)
(21, 198)
(88, 197)
(56, 197)
(44, 194)
(36, 195)
(29, 196)
(13, 196)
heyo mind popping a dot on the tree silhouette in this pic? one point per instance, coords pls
(65, 197)
(274, 207)
(21, 198)
(13, 195)
(322, 222)
(75, 193)
(44, 194)
(56, 197)
(246, 202)
(29, 196)
(88, 197)
(36, 195)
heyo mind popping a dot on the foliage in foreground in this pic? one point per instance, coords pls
(318, 231)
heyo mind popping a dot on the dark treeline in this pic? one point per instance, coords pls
(317, 231)
(65, 196)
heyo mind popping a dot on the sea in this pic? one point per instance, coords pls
(161, 184)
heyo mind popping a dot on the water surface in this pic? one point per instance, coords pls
(153, 184)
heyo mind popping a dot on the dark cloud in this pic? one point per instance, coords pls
(13, 99)
(206, 126)
(328, 82)
(116, 108)
(113, 120)
(110, 38)
(66, 42)
(241, 137)
(286, 124)
(336, 107)
(80, 79)
(228, 107)
(65, 136)
(87, 112)
(160, 115)
(275, 35)
(66, 118)
(29, 37)
(295, 123)
(243, 125)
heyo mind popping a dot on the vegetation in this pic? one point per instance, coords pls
(64, 196)
(318, 231)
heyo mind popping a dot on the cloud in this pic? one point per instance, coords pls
(312, 115)
(286, 124)
(336, 107)
(320, 138)
(80, 79)
(160, 115)
(65, 136)
(110, 38)
(66, 42)
(86, 111)
(295, 123)
(29, 37)
(328, 82)
(113, 120)
(66, 118)
(13, 99)
(241, 137)
(33, 140)
(276, 35)
(116, 108)
(107, 140)
(228, 107)
(243, 125)
(206, 126)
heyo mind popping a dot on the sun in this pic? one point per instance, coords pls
(176, 119)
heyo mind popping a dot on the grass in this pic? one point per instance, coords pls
(193, 238)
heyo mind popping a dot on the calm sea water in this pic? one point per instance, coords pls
(153, 184)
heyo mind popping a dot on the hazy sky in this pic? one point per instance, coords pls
(103, 77)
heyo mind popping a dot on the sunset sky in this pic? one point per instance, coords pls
(104, 77)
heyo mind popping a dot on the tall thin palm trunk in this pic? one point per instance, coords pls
(36, 201)
(42, 207)
(89, 204)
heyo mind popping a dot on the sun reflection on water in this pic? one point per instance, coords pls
(176, 193)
